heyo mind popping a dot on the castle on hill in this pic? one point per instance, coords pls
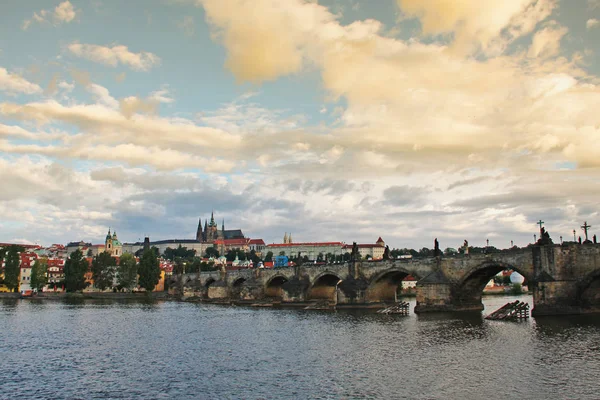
(211, 232)
(208, 236)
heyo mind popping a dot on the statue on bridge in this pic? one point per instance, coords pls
(544, 237)
(594, 238)
(436, 248)
(466, 247)
(386, 252)
(354, 254)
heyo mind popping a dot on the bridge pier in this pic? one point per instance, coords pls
(433, 297)
(555, 298)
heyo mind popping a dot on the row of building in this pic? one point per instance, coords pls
(207, 236)
(55, 271)
(223, 240)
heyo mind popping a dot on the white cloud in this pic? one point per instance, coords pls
(592, 23)
(479, 23)
(162, 96)
(102, 95)
(456, 109)
(13, 84)
(115, 55)
(63, 13)
(546, 41)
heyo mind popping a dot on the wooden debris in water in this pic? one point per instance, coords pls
(321, 305)
(511, 311)
(401, 308)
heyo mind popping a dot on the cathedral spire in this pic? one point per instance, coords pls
(223, 227)
(199, 230)
(212, 219)
(205, 230)
(290, 238)
(285, 238)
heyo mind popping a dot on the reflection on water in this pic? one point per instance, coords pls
(136, 349)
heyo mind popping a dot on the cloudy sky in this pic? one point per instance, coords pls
(331, 119)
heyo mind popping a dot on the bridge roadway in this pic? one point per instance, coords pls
(564, 279)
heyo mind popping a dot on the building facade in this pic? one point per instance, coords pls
(309, 249)
(369, 251)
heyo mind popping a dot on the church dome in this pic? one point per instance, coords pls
(516, 277)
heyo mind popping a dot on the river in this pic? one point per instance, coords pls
(166, 350)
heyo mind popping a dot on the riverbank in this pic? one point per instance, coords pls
(90, 295)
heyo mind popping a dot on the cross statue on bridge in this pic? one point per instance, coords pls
(585, 228)
(540, 223)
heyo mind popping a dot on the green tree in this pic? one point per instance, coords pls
(103, 270)
(149, 270)
(207, 266)
(425, 252)
(194, 266)
(181, 252)
(231, 255)
(127, 271)
(211, 252)
(75, 268)
(252, 256)
(282, 253)
(450, 251)
(330, 257)
(269, 256)
(12, 268)
(39, 274)
(179, 267)
(2, 255)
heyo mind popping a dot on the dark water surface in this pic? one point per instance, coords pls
(109, 349)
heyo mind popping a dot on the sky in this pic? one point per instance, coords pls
(337, 120)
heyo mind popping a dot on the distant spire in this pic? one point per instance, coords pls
(290, 238)
(199, 230)
(205, 230)
(285, 238)
(212, 219)
(223, 227)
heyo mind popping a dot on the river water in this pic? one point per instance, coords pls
(165, 350)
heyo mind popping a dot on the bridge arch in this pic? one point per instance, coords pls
(238, 282)
(588, 291)
(209, 282)
(469, 289)
(207, 287)
(274, 287)
(324, 287)
(384, 286)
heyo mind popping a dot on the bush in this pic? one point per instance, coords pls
(516, 288)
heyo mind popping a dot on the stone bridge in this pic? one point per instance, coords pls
(564, 279)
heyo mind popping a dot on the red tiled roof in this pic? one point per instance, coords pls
(25, 246)
(363, 246)
(256, 241)
(315, 244)
(232, 242)
(379, 240)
